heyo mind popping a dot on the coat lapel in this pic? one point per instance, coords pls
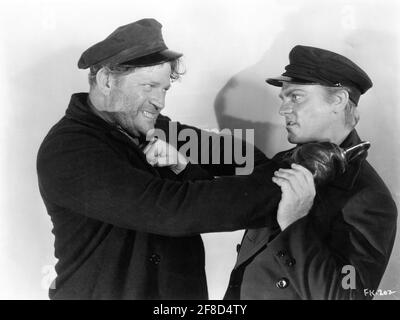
(79, 110)
(253, 241)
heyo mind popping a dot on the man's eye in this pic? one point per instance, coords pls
(147, 86)
(296, 98)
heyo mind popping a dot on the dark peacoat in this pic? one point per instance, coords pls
(126, 230)
(352, 223)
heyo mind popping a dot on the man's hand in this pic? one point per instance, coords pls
(161, 154)
(298, 192)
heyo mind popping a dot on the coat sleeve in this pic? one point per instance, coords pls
(194, 172)
(85, 175)
(366, 231)
(218, 154)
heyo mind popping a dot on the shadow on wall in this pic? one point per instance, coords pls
(247, 102)
(269, 136)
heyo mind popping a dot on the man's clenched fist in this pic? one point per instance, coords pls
(161, 154)
(298, 192)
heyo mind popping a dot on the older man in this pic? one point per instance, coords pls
(126, 218)
(341, 245)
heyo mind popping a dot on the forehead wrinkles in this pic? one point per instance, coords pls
(288, 88)
(156, 69)
(291, 87)
(158, 73)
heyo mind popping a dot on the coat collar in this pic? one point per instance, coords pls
(79, 109)
(347, 179)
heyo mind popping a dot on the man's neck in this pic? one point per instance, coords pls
(341, 136)
(93, 102)
(95, 105)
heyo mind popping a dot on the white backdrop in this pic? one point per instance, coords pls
(229, 48)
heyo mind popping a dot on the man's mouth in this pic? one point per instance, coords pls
(150, 115)
(290, 123)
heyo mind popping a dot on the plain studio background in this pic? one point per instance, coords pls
(230, 47)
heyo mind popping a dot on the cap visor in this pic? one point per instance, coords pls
(170, 55)
(154, 58)
(277, 82)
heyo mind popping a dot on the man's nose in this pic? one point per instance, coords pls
(285, 108)
(158, 101)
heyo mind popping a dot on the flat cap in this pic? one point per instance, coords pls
(310, 65)
(138, 44)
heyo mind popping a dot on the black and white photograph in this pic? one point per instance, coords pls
(212, 151)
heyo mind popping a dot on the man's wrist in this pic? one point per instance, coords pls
(177, 169)
(283, 225)
(181, 165)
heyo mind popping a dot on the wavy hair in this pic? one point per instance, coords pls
(177, 70)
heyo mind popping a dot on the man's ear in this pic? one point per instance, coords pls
(103, 80)
(341, 98)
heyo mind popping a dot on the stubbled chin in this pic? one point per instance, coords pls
(146, 127)
(292, 138)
